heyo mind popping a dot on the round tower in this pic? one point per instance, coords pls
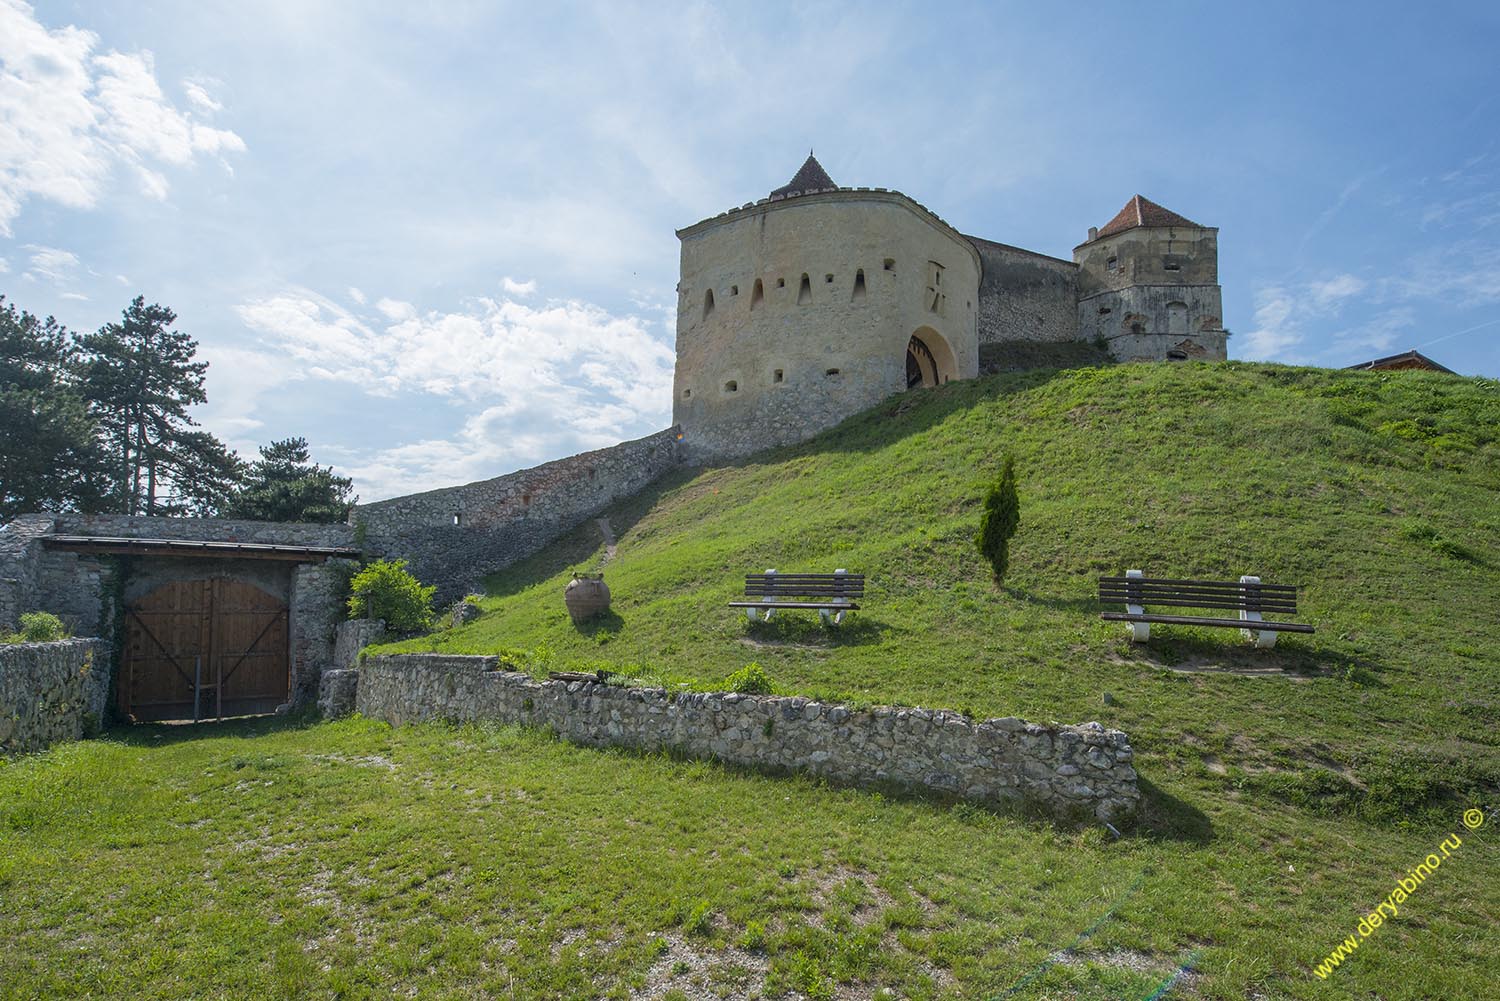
(811, 304)
(1148, 285)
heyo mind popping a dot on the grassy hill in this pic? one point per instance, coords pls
(1285, 791)
(1379, 494)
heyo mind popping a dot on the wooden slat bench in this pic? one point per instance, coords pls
(771, 591)
(1247, 596)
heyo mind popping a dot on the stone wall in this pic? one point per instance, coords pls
(453, 537)
(51, 692)
(1085, 769)
(1025, 296)
(795, 313)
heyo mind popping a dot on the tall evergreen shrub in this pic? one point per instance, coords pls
(1002, 513)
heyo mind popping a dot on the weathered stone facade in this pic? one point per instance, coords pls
(51, 692)
(801, 309)
(1085, 769)
(455, 536)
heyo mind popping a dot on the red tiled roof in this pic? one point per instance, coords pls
(810, 177)
(1143, 212)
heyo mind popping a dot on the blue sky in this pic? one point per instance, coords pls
(439, 242)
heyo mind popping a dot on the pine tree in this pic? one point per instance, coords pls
(1002, 515)
(140, 378)
(285, 485)
(49, 459)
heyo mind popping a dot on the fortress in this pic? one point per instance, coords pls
(816, 302)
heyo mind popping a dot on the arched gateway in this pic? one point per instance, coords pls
(929, 360)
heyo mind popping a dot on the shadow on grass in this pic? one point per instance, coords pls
(606, 623)
(805, 629)
(161, 734)
(1168, 818)
(1082, 605)
(1199, 650)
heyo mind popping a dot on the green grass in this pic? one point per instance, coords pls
(354, 860)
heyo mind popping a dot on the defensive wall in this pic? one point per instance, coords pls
(51, 692)
(1025, 296)
(454, 536)
(1065, 769)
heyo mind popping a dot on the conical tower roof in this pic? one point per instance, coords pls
(809, 177)
(1143, 212)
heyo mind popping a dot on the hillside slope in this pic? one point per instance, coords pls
(1379, 494)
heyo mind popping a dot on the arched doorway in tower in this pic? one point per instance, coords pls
(929, 360)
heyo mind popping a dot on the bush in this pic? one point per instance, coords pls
(39, 627)
(1002, 514)
(386, 590)
(751, 679)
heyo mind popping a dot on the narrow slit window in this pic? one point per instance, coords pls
(734, 290)
(859, 285)
(687, 394)
(890, 264)
(781, 283)
(778, 376)
(708, 304)
(458, 519)
(804, 293)
(828, 279)
(757, 293)
(731, 386)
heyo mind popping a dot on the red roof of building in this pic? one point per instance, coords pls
(1143, 212)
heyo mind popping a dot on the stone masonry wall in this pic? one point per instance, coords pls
(1025, 296)
(50, 692)
(1064, 768)
(453, 537)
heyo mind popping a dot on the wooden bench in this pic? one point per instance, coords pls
(1247, 596)
(772, 591)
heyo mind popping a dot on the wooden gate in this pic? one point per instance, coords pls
(197, 649)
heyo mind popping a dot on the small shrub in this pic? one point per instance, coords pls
(751, 679)
(700, 919)
(1002, 514)
(41, 627)
(386, 590)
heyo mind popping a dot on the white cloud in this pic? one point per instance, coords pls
(1276, 328)
(69, 118)
(78, 296)
(56, 266)
(1329, 293)
(4, 266)
(513, 287)
(396, 310)
(199, 97)
(356, 295)
(551, 379)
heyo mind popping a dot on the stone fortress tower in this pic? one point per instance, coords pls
(818, 301)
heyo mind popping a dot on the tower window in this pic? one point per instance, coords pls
(1136, 328)
(1104, 310)
(458, 519)
(828, 279)
(778, 376)
(757, 293)
(734, 290)
(731, 386)
(781, 283)
(708, 304)
(890, 264)
(804, 293)
(1113, 264)
(1171, 264)
(1176, 355)
(687, 394)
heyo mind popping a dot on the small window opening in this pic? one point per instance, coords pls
(1171, 265)
(1113, 264)
(1104, 310)
(731, 386)
(832, 371)
(757, 293)
(1136, 328)
(890, 264)
(859, 285)
(526, 499)
(1175, 355)
(687, 394)
(458, 518)
(781, 283)
(778, 376)
(708, 304)
(828, 279)
(804, 293)
(734, 290)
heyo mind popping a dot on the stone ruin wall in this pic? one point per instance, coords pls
(453, 537)
(1066, 769)
(50, 692)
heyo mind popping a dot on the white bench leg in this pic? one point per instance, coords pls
(1140, 632)
(751, 614)
(1264, 639)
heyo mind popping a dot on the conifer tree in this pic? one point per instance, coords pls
(285, 485)
(1002, 515)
